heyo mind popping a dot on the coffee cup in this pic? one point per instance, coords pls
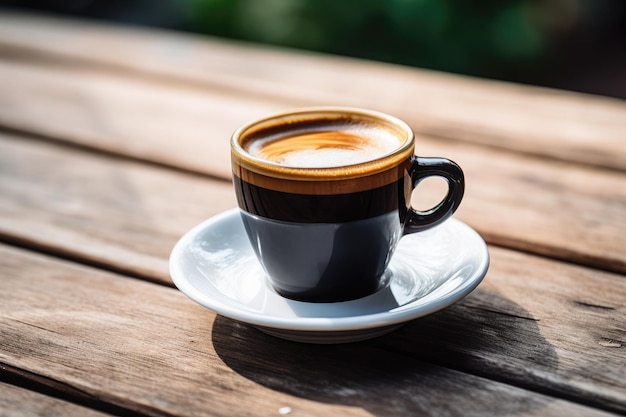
(325, 196)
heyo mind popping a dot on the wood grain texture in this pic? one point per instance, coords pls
(100, 209)
(548, 123)
(19, 402)
(556, 327)
(178, 127)
(146, 209)
(582, 209)
(561, 210)
(148, 349)
(537, 332)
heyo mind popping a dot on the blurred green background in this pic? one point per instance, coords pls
(571, 44)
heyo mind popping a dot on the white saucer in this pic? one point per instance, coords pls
(214, 265)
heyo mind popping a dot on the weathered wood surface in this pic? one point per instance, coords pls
(145, 348)
(566, 126)
(184, 128)
(582, 208)
(98, 209)
(126, 217)
(535, 323)
(188, 126)
(114, 142)
(15, 401)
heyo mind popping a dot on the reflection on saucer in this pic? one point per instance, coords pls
(214, 265)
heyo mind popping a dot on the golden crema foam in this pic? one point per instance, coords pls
(342, 146)
(322, 151)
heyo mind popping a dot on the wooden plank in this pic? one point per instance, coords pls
(550, 123)
(104, 210)
(560, 210)
(556, 327)
(146, 209)
(505, 192)
(173, 126)
(147, 349)
(16, 401)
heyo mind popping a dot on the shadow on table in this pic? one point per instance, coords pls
(425, 367)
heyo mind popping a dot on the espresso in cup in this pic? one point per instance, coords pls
(344, 145)
(325, 197)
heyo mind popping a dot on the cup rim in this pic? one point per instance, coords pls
(264, 167)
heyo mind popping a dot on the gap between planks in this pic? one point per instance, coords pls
(29, 394)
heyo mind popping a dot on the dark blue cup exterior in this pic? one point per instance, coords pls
(328, 235)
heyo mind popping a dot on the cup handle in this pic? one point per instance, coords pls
(421, 168)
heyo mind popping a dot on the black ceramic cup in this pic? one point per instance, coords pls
(325, 197)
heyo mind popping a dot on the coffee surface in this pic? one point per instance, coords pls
(320, 148)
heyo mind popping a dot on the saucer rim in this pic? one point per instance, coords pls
(396, 316)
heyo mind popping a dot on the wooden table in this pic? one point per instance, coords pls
(114, 142)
